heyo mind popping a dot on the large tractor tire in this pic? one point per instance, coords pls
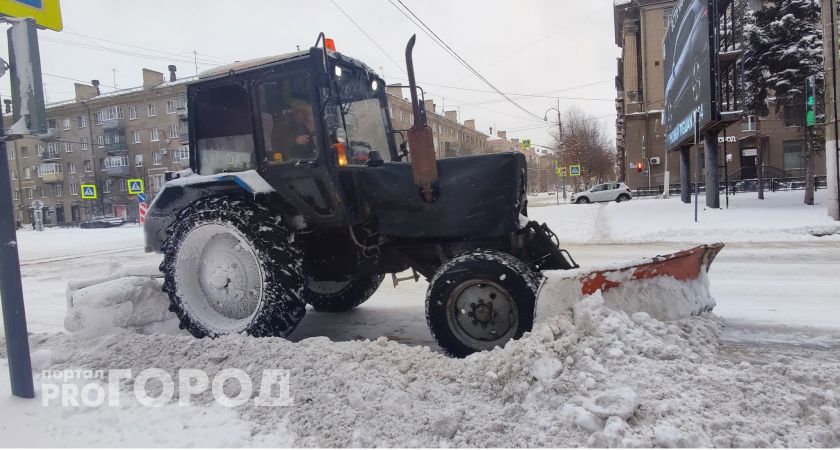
(230, 266)
(341, 296)
(480, 300)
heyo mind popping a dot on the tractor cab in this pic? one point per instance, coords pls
(295, 119)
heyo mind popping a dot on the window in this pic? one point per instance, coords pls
(12, 153)
(74, 189)
(224, 133)
(135, 136)
(43, 191)
(97, 118)
(152, 109)
(666, 16)
(68, 148)
(794, 158)
(120, 112)
(66, 124)
(87, 165)
(288, 122)
(49, 169)
(27, 174)
(106, 188)
(173, 131)
(51, 148)
(107, 138)
(116, 161)
(157, 182)
(58, 189)
(13, 174)
(28, 193)
(132, 112)
(16, 197)
(182, 154)
(155, 135)
(100, 140)
(24, 152)
(82, 121)
(71, 167)
(101, 163)
(122, 186)
(51, 124)
(138, 160)
(171, 106)
(85, 143)
(157, 159)
(40, 150)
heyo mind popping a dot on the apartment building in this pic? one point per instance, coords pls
(451, 137)
(639, 27)
(102, 139)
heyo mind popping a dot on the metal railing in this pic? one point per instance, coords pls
(735, 186)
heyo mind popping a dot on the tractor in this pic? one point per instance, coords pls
(301, 192)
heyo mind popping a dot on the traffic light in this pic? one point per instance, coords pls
(640, 167)
(810, 100)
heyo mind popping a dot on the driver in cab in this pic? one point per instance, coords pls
(292, 133)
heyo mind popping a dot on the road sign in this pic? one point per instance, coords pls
(88, 191)
(560, 171)
(526, 143)
(142, 209)
(574, 170)
(141, 198)
(135, 186)
(46, 13)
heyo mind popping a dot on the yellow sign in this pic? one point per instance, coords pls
(46, 13)
(526, 143)
(135, 186)
(574, 170)
(88, 191)
(560, 171)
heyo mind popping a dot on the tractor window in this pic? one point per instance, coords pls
(287, 120)
(223, 130)
(363, 115)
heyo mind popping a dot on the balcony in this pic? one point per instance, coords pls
(182, 112)
(54, 155)
(51, 173)
(117, 171)
(116, 147)
(184, 138)
(110, 124)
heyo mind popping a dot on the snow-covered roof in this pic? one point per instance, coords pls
(249, 64)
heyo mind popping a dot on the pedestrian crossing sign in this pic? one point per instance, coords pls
(135, 186)
(46, 13)
(574, 170)
(526, 143)
(88, 191)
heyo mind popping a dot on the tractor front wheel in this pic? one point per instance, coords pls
(341, 296)
(480, 300)
(230, 266)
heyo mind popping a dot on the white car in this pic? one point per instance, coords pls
(604, 192)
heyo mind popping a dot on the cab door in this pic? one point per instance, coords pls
(293, 147)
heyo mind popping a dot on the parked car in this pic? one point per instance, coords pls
(103, 222)
(604, 192)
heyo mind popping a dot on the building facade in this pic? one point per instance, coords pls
(640, 27)
(102, 139)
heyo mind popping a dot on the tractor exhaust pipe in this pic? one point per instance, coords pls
(420, 138)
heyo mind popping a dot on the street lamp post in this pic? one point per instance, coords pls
(559, 143)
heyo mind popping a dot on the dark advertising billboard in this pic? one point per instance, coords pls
(688, 74)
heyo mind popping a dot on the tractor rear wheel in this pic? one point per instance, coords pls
(221, 272)
(341, 296)
(480, 300)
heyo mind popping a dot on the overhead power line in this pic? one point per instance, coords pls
(164, 52)
(429, 32)
(388, 55)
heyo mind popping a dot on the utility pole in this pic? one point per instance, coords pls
(832, 149)
(759, 157)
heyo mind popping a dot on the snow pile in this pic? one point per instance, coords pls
(126, 303)
(594, 377)
(781, 217)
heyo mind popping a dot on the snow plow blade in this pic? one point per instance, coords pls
(666, 287)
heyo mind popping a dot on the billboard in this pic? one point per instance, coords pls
(688, 71)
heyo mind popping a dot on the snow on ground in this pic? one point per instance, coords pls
(765, 373)
(780, 217)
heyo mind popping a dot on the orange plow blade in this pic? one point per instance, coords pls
(667, 287)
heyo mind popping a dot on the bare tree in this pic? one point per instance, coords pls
(584, 142)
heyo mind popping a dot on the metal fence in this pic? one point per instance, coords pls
(748, 185)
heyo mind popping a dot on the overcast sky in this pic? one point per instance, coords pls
(523, 46)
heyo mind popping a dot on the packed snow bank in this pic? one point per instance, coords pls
(596, 377)
(125, 303)
(780, 217)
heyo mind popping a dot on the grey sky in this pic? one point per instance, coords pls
(576, 47)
